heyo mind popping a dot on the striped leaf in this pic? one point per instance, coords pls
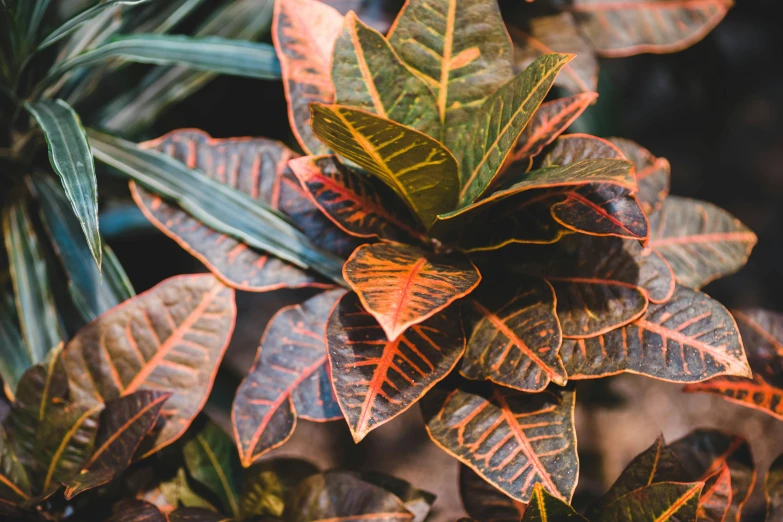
(652, 174)
(513, 440)
(71, 159)
(773, 490)
(484, 502)
(514, 334)
(368, 75)
(14, 482)
(704, 452)
(376, 379)
(460, 48)
(499, 122)
(662, 501)
(14, 357)
(716, 497)
(623, 28)
(169, 339)
(690, 338)
(700, 241)
(762, 335)
(304, 33)
(417, 168)
(211, 459)
(354, 202)
(289, 379)
(124, 424)
(402, 285)
(218, 205)
(544, 507)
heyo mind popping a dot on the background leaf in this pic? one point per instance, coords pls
(484, 502)
(773, 490)
(211, 459)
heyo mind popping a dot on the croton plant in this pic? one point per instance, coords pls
(472, 257)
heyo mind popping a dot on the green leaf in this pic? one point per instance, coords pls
(34, 301)
(418, 168)
(71, 159)
(500, 120)
(211, 459)
(14, 483)
(544, 507)
(216, 205)
(92, 293)
(662, 501)
(14, 358)
(85, 16)
(368, 75)
(267, 485)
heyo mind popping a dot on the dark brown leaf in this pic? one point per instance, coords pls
(652, 174)
(136, 511)
(544, 507)
(484, 502)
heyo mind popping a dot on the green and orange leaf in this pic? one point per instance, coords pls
(290, 378)
(512, 439)
(403, 285)
(652, 174)
(376, 379)
(544, 507)
(168, 339)
(661, 501)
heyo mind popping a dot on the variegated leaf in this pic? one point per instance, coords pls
(661, 501)
(544, 507)
(652, 174)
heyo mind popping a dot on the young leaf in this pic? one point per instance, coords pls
(762, 335)
(71, 159)
(499, 122)
(514, 440)
(662, 501)
(484, 502)
(618, 29)
(212, 460)
(29, 275)
(289, 379)
(304, 33)
(403, 285)
(353, 202)
(652, 174)
(716, 496)
(700, 241)
(376, 379)
(14, 483)
(514, 334)
(460, 49)
(368, 75)
(690, 338)
(419, 169)
(124, 423)
(170, 338)
(269, 483)
(544, 507)
(773, 491)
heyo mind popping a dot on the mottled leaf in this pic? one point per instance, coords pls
(773, 491)
(403, 285)
(716, 496)
(169, 339)
(14, 482)
(484, 502)
(211, 459)
(367, 74)
(500, 120)
(690, 338)
(304, 33)
(652, 174)
(514, 334)
(700, 241)
(355, 203)
(514, 440)
(622, 28)
(267, 484)
(416, 167)
(289, 379)
(544, 507)
(657, 502)
(376, 379)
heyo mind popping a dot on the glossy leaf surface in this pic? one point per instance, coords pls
(376, 379)
(484, 502)
(290, 378)
(700, 241)
(544, 507)
(402, 285)
(690, 338)
(662, 501)
(211, 459)
(513, 440)
(514, 334)
(170, 339)
(652, 174)
(417, 168)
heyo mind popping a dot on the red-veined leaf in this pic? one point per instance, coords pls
(402, 285)
(484, 502)
(700, 241)
(336, 495)
(773, 491)
(689, 338)
(376, 379)
(170, 339)
(124, 423)
(304, 33)
(625, 27)
(652, 174)
(512, 439)
(571, 148)
(211, 459)
(289, 379)
(544, 507)
(665, 501)
(715, 499)
(136, 511)
(762, 335)
(255, 166)
(353, 202)
(513, 334)
(14, 482)
(267, 484)
(704, 452)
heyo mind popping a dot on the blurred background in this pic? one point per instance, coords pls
(714, 110)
